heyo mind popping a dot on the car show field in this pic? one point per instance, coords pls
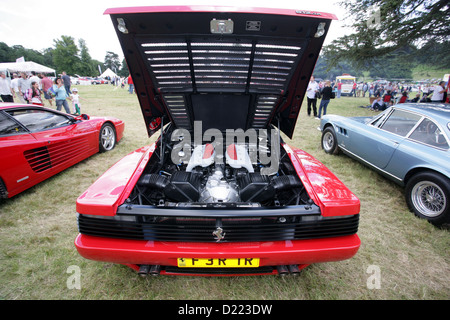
(401, 256)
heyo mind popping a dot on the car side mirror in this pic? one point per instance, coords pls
(81, 117)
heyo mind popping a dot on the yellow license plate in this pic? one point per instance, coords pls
(218, 263)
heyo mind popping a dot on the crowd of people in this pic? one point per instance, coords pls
(379, 89)
(395, 94)
(122, 82)
(383, 95)
(37, 88)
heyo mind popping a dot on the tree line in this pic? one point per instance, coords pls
(66, 55)
(390, 38)
(398, 64)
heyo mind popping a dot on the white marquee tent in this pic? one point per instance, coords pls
(108, 72)
(27, 66)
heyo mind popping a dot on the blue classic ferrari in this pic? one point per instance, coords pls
(407, 143)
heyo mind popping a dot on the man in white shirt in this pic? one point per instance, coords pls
(438, 92)
(313, 87)
(6, 92)
(24, 85)
(35, 78)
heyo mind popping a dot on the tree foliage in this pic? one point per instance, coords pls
(65, 55)
(112, 61)
(390, 66)
(124, 72)
(86, 66)
(10, 54)
(385, 27)
(325, 70)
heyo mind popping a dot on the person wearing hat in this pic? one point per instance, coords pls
(76, 101)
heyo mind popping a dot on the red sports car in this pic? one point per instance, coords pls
(219, 193)
(37, 143)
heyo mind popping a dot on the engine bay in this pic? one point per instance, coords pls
(218, 175)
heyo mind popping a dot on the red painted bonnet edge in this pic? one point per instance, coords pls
(211, 8)
(113, 187)
(324, 188)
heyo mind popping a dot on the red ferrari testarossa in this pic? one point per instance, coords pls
(37, 143)
(219, 193)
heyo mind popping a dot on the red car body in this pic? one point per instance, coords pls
(113, 188)
(29, 155)
(159, 215)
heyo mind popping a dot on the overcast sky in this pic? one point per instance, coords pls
(35, 24)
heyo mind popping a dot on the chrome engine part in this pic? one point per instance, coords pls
(217, 189)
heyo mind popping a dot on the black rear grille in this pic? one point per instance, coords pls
(232, 229)
(215, 271)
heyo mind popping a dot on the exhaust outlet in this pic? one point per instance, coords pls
(282, 270)
(294, 270)
(155, 270)
(144, 270)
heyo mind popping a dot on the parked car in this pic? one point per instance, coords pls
(407, 143)
(37, 143)
(74, 80)
(99, 81)
(236, 199)
(78, 80)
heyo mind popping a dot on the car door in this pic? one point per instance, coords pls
(15, 172)
(376, 142)
(66, 139)
(426, 146)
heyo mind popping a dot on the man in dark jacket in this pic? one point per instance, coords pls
(327, 95)
(66, 79)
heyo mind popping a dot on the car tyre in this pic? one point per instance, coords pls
(428, 196)
(329, 141)
(107, 137)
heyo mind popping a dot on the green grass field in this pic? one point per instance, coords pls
(407, 255)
